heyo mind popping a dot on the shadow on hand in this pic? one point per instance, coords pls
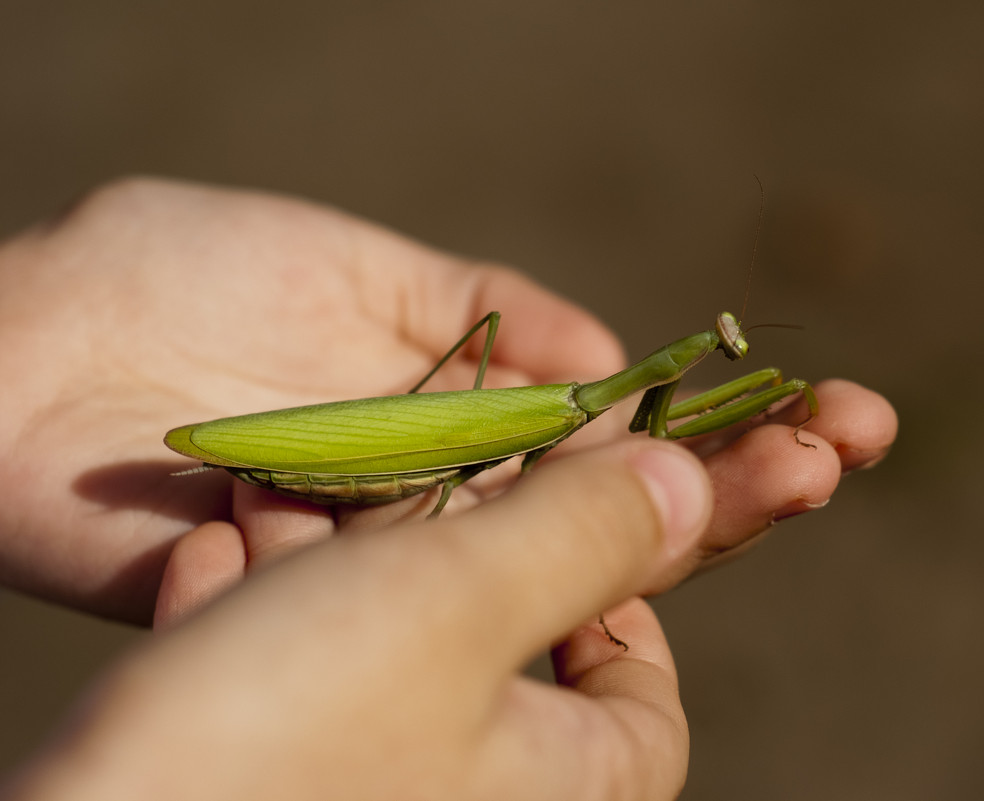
(150, 485)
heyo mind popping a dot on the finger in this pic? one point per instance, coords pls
(860, 424)
(214, 556)
(585, 651)
(570, 540)
(625, 727)
(203, 564)
(273, 525)
(763, 477)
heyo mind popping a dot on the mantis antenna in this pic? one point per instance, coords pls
(755, 242)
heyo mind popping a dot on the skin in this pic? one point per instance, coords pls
(148, 304)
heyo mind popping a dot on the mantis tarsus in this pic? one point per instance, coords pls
(379, 450)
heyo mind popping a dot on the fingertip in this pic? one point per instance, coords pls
(588, 647)
(858, 422)
(203, 564)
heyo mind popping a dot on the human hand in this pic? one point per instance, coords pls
(153, 304)
(387, 665)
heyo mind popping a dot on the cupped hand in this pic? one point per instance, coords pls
(151, 304)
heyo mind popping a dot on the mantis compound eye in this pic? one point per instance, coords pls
(733, 341)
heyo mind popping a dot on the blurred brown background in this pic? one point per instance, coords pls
(609, 149)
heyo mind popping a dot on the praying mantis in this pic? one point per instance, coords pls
(380, 450)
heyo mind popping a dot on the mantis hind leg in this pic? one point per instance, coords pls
(466, 474)
(446, 489)
(492, 318)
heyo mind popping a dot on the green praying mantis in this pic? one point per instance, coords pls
(379, 450)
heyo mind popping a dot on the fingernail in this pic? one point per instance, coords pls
(679, 489)
(856, 459)
(796, 507)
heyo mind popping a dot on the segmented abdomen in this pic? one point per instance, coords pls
(331, 489)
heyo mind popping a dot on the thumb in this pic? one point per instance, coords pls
(576, 536)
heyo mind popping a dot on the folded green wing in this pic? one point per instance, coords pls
(394, 434)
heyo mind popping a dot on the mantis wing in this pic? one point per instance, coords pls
(393, 434)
